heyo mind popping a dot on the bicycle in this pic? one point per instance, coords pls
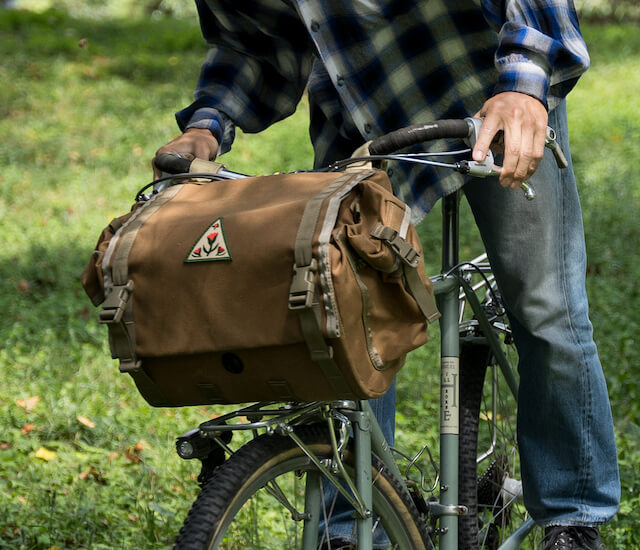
(300, 451)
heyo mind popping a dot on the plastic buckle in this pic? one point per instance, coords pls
(128, 366)
(115, 304)
(404, 250)
(303, 286)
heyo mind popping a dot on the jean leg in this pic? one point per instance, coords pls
(565, 428)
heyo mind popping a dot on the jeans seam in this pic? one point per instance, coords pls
(586, 419)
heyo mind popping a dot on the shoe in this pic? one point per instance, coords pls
(338, 544)
(563, 537)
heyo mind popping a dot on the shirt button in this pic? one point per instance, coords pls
(367, 128)
(315, 26)
(340, 81)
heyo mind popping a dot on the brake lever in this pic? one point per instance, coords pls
(488, 168)
(551, 143)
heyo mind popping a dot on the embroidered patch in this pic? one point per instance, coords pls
(211, 246)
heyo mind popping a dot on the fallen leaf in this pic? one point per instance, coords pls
(83, 43)
(22, 501)
(84, 313)
(86, 421)
(92, 473)
(142, 445)
(132, 518)
(4, 445)
(24, 287)
(26, 429)
(29, 403)
(113, 455)
(133, 455)
(45, 454)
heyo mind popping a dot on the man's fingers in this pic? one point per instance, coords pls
(194, 143)
(487, 133)
(523, 155)
(513, 141)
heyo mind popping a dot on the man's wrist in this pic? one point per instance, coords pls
(212, 125)
(518, 73)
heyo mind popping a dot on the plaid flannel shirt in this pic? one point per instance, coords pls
(372, 66)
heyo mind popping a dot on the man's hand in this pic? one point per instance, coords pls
(194, 143)
(523, 121)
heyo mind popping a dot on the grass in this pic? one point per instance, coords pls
(88, 464)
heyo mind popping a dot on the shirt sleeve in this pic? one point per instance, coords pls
(541, 51)
(256, 69)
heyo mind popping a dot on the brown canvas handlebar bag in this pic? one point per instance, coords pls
(291, 287)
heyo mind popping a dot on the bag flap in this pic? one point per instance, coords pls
(232, 300)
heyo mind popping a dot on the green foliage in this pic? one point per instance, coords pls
(589, 10)
(608, 10)
(112, 8)
(84, 103)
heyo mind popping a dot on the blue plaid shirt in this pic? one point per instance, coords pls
(371, 66)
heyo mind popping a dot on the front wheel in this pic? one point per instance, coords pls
(256, 500)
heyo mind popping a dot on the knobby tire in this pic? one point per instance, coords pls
(233, 487)
(492, 512)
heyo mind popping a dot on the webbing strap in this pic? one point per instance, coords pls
(147, 387)
(410, 261)
(301, 296)
(304, 238)
(421, 294)
(117, 309)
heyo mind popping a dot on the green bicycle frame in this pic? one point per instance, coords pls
(368, 435)
(447, 293)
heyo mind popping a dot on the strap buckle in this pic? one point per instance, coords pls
(116, 302)
(130, 366)
(303, 286)
(400, 246)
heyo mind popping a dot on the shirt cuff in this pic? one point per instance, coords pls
(208, 118)
(518, 73)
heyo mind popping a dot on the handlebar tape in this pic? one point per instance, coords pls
(411, 135)
(172, 164)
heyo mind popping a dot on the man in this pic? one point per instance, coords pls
(371, 66)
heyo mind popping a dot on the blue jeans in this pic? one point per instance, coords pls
(565, 429)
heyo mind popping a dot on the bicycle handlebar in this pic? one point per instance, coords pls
(467, 130)
(412, 135)
(172, 163)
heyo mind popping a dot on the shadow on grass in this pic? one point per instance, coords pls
(43, 304)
